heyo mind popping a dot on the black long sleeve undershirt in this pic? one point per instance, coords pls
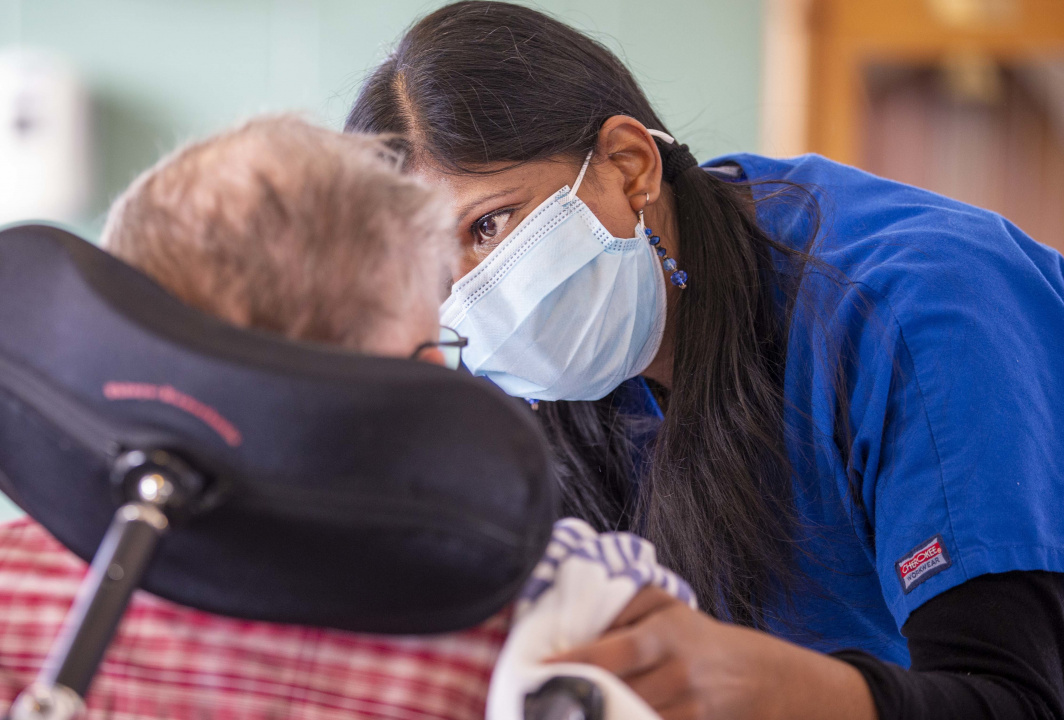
(989, 649)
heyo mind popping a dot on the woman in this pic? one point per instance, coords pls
(858, 386)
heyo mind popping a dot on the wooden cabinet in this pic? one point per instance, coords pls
(964, 97)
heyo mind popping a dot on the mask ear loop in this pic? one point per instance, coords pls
(580, 178)
(587, 162)
(663, 135)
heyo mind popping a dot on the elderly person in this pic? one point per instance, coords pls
(288, 228)
(293, 229)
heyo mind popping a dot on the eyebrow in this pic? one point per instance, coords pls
(463, 211)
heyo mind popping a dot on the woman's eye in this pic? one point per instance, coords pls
(490, 228)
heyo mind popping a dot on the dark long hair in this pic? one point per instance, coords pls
(487, 82)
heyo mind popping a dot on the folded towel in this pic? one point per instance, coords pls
(581, 585)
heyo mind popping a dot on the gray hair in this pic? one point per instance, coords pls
(288, 227)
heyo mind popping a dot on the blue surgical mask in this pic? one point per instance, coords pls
(561, 309)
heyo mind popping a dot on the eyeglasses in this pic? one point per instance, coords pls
(450, 344)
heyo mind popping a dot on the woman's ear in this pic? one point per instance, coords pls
(626, 144)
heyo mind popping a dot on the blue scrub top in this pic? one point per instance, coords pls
(947, 322)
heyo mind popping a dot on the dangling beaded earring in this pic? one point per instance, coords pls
(677, 277)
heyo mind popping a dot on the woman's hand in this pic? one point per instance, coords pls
(688, 666)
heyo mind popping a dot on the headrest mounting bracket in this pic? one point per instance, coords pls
(162, 479)
(157, 488)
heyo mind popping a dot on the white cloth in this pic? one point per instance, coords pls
(581, 585)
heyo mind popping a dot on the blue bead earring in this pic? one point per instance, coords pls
(677, 277)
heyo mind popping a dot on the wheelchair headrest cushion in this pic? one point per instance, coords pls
(367, 494)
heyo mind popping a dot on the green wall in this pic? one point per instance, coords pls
(160, 71)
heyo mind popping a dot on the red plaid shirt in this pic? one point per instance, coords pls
(168, 661)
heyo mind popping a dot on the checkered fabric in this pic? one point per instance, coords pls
(172, 662)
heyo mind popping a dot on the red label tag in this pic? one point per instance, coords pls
(168, 395)
(928, 559)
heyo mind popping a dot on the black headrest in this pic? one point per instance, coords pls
(361, 493)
